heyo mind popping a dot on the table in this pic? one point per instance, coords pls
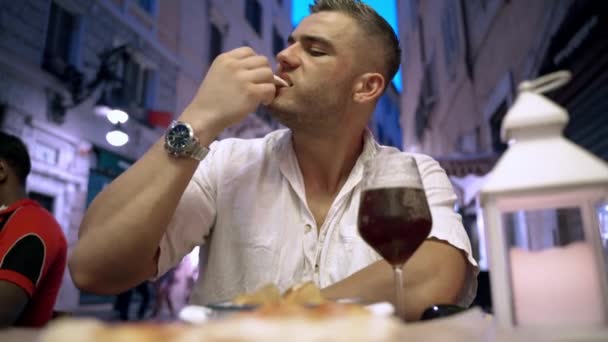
(472, 325)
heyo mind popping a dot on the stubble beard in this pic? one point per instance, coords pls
(315, 109)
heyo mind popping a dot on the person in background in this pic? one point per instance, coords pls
(32, 245)
(280, 209)
(123, 301)
(162, 291)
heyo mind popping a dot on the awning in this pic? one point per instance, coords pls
(468, 165)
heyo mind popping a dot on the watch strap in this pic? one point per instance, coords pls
(198, 151)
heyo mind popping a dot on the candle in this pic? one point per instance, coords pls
(556, 286)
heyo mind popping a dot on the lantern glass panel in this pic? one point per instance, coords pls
(552, 267)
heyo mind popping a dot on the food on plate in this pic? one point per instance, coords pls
(301, 300)
(327, 322)
(299, 314)
(91, 330)
(307, 293)
(301, 294)
(267, 294)
(322, 311)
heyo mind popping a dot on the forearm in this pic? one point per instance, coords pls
(127, 220)
(434, 275)
(156, 181)
(122, 229)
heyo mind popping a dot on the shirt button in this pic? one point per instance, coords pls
(307, 228)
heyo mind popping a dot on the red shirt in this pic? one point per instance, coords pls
(32, 256)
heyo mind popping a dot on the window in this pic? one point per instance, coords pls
(278, 44)
(137, 81)
(427, 100)
(138, 85)
(147, 5)
(449, 28)
(411, 8)
(215, 42)
(429, 87)
(59, 48)
(495, 124)
(253, 13)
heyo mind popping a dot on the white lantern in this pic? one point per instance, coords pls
(540, 207)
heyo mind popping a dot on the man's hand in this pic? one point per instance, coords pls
(123, 227)
(435, 274)
(237, 82)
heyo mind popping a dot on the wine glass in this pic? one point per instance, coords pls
(394, 216)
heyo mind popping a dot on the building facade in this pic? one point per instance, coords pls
(385, 122)
(463, 61)
(60, 59)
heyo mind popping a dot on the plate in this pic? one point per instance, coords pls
(231, 307)
(203, 313)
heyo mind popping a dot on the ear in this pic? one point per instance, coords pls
(368, 88)
(3, 171)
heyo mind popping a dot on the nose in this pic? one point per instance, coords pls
(287, 58)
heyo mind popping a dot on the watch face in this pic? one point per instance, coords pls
(178, 138)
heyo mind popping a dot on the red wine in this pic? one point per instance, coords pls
(394, 221)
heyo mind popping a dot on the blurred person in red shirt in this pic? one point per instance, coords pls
(32, 245)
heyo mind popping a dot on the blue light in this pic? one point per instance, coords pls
(386, 8)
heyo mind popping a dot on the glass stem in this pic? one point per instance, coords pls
(399, 300)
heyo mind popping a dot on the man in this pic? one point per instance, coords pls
(281, 209)
(32, 245)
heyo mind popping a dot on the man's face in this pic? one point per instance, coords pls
(320, 65)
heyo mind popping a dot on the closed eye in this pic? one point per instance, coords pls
(316, 53)
(315, 46)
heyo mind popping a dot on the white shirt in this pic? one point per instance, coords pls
(247, 199)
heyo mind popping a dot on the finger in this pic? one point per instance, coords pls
(253, 62)
(266, 93)
(242, 52)
(259, 76)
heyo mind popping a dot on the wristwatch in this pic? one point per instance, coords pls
(180, 141)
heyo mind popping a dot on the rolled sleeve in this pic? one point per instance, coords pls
(193, 218)
(447, 224)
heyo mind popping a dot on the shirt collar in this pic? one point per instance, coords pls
(370, 149)
(281, 146)
(17, 204)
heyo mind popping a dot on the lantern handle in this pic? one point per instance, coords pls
(546, 83)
